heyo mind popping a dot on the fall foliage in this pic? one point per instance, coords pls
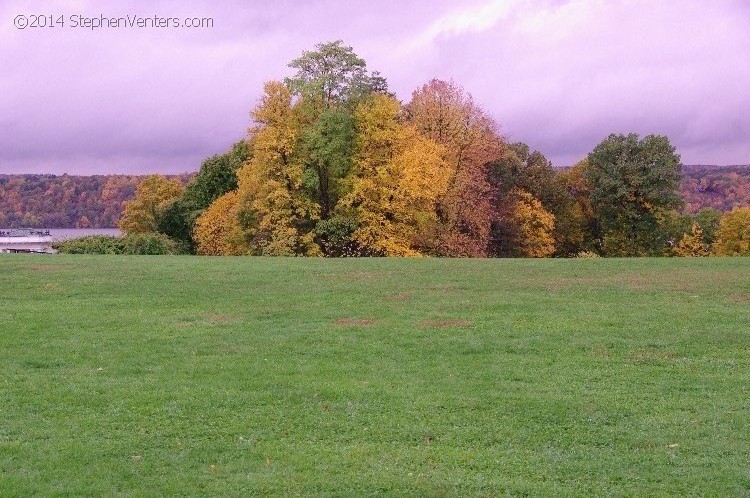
(140, 214)
(217, 229)
(733, 234)
(335, 165)
(444, 113)
(692, 244)
(398, 178)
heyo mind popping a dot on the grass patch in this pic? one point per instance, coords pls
(231, 376)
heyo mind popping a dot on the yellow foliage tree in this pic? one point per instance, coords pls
(733, 234)
(217, 230)
(692, 245)
(276, 215)
(535, 226)
(398, 176)
(154, 192)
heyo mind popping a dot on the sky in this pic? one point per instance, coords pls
(559, 75)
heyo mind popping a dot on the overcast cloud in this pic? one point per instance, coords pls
(558, 75)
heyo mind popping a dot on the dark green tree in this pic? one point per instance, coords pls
(708, 219)
(327, 144)
(634, 183)
(332, 75)
(216, 177)
(532, 172)
(329, 84)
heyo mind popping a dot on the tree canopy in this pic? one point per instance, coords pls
(334, 165)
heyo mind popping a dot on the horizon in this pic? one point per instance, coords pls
(559, 75)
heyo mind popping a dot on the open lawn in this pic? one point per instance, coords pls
(236, 376)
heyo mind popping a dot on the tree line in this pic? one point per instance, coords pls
(335, 165)
(65, 201)
(71, 201)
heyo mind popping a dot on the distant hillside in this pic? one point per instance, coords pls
(49, 201)
(718, 187)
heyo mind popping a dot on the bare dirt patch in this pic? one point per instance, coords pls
(445, 324)
(401, 296)
(208, 318)
(652, 355)
(739, 299)
(440, 287)
(353, 322)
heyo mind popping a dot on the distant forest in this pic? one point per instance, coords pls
(66, 201)
(49, 201)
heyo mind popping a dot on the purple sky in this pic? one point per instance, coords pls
(559, 75)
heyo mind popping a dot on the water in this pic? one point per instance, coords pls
(60, 234)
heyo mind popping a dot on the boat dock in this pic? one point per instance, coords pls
(26, 240)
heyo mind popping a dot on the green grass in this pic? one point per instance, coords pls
(236, 376)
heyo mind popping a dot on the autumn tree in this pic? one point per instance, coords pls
(444, 113)
(535, 226)
(520, 168)
(633, 182)
(152, 194)
(398, 178)
(575, 224)
(692, 245)
(217, 229)
(216, 176)
(733, 234)
(274, 209)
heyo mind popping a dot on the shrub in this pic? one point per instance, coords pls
(150, 243)
(692, 245)
(93, 244)
(335, 237)
(142, 244)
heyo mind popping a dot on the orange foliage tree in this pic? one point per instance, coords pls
(443, 112)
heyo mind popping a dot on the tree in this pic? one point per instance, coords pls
(692, 245)
(153, 193)
(535, 225)
(519, 168)
(444, 113)
(327, 147)
(733, 234)
(329, 83)
(398, 177)
(216, 177)
(217, 229)
(330, 76)
(633, 182)
(708, 219)
(275, 211)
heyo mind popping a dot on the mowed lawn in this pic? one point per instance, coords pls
(234, 376)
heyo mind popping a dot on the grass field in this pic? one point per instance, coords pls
(212, 376)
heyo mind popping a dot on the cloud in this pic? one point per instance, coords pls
(557, 74)
(470, 19)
